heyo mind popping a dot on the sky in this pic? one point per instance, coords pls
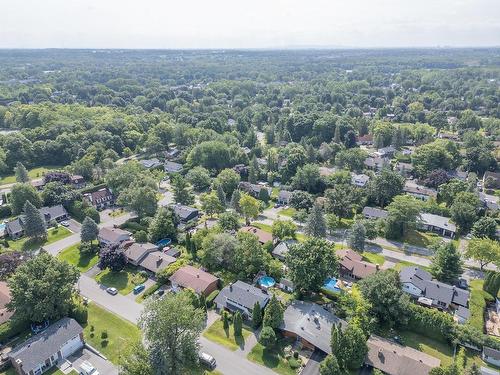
(177, 24)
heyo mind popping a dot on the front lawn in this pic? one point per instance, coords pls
(53, 235)
(265, 227)
(32, 173)
(219, 335)
(477, 304)
(402, 264)
(124, 281)
(73, 256)
(373, 258)
(421, 239)
(120, 332)
(274, 359)
(290, 211)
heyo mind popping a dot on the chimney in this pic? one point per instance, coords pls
(377, 267)
(231, 287)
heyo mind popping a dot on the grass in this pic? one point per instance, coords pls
(265, 227)
(373, 258)
(124, 281)
(283, 296)
(477, 304)
(421, 239)
(273, 359)
(117, 213)
(120, 332)
(32, 173)
(438, 349)
(219, 335)
(402, 264)
(290, 211)
(73, 256)
(53, 371)
(53, 235)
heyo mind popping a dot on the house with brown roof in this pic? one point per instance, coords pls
(263, 236)
(352, 265)
(156, 261)
(5, 314)
(394, 359)
(100, 199)
(147, 256)
(191, 277)
(136, 252)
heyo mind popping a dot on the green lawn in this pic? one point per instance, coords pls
(373, 258)
(124, 280)
(477, 304)
(290, 211)
(120, 332)
(32, 173)
(83, 262)
(53, 235)
(219, 335)
(402, 264)
(438, 349)
(283, 296)
(421, 239)
(53, 371)
(273, 359)
(264, 227)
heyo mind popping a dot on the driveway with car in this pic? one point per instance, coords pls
(103, 366)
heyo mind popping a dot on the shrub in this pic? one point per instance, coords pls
(267, 337)
(442, 324)
(163, 276)
(79, 312)
(5, 211)
(150, 291)
(104, 334)
(211, 297)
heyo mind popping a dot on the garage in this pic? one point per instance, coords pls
(71, 346)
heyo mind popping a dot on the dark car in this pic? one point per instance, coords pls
(139, 288)
(462, 284)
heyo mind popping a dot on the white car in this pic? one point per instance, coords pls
(86, 368)
(112, 291)
(64, 223)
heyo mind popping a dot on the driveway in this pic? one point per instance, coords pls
(104, 367)
(312, 366)
(74, 226)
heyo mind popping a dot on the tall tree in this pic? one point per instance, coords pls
(310, 263)
(211, 204)
(250, 207)
(113, 258)
(21, 173)
(273, 313)
(330, 366)
(182, 193)
(403, 215)
(228, 179)
(256, 315)
(34, 223)
(221, 195)
(89, 231)
(353, 348)
(135, 360)
(446, 264)
(485, 227)
(385, 186)
(140, 196)
(284, 229)
(464, 210)
(21, 193)
(199, 177)
(235, 201)
(316, 226)
(171, 327)
(163, 225)
(238, 324)
(484, 250)
(42, 289)
(357, 236)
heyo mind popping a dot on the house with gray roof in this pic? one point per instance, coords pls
(185, 213)
(419, 191)
(437, 224)
(151, 163)
(281, 249)
(420, 285)
(374, 213)
(240, 296)
(112, 236)
(310, 324)
(48, 348)
(491, 356)
(253, 189)
(284, 197)
(172, 167)
(359, 180)
(15, 228)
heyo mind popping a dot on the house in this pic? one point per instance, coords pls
(491, 180)
(376, 163)
(359, 180)
(365, 140)
(284, 197)
(15, 228)
(193, 278)
(286, 285)
(373, 213)
(99, 199)
(310, 324)
(156, 261)
(172, 167)
(77, 181)
(490, 202)
(325, 171)
(385, 152)
(491, 356)
(172, 153)
(419, 191)
(185, 213)
(448, 136)
(242, 297)
(462, 315)
(136, 252)
(352, 265)
(394, 359)
(404, 169)
(281, 249)
(261, 235)
(48, 348)
(438, 224)
(420, 285)
(112, 236)
(151, 163)
(5, 314)
(241, 169)
(173, 252)
(253, 189)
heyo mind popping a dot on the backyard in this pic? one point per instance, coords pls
(82, 261)
(109, 333)
(124, 281)
(53, 235)
(225, 337)
(32, 173)
(477, 304)
(275, 358)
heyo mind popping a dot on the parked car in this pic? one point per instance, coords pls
(462, 284)
(207, 360)
(64, 223)
(112, 291)
(139, 288)
(159, 292)
(86, 368)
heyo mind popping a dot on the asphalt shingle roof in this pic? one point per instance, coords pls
(243, 294)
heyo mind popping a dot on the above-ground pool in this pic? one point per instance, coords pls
(331, 285)
(164, 242)
(267, 281)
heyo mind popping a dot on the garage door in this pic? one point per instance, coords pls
(71, 346)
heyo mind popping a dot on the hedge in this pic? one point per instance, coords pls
(210, 299)
(92, 188)
(431, 323)
(153, 288)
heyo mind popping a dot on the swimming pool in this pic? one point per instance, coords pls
(331, 285)
(164, 242)
(267, 281)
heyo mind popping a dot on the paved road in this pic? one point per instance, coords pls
(228, 362)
